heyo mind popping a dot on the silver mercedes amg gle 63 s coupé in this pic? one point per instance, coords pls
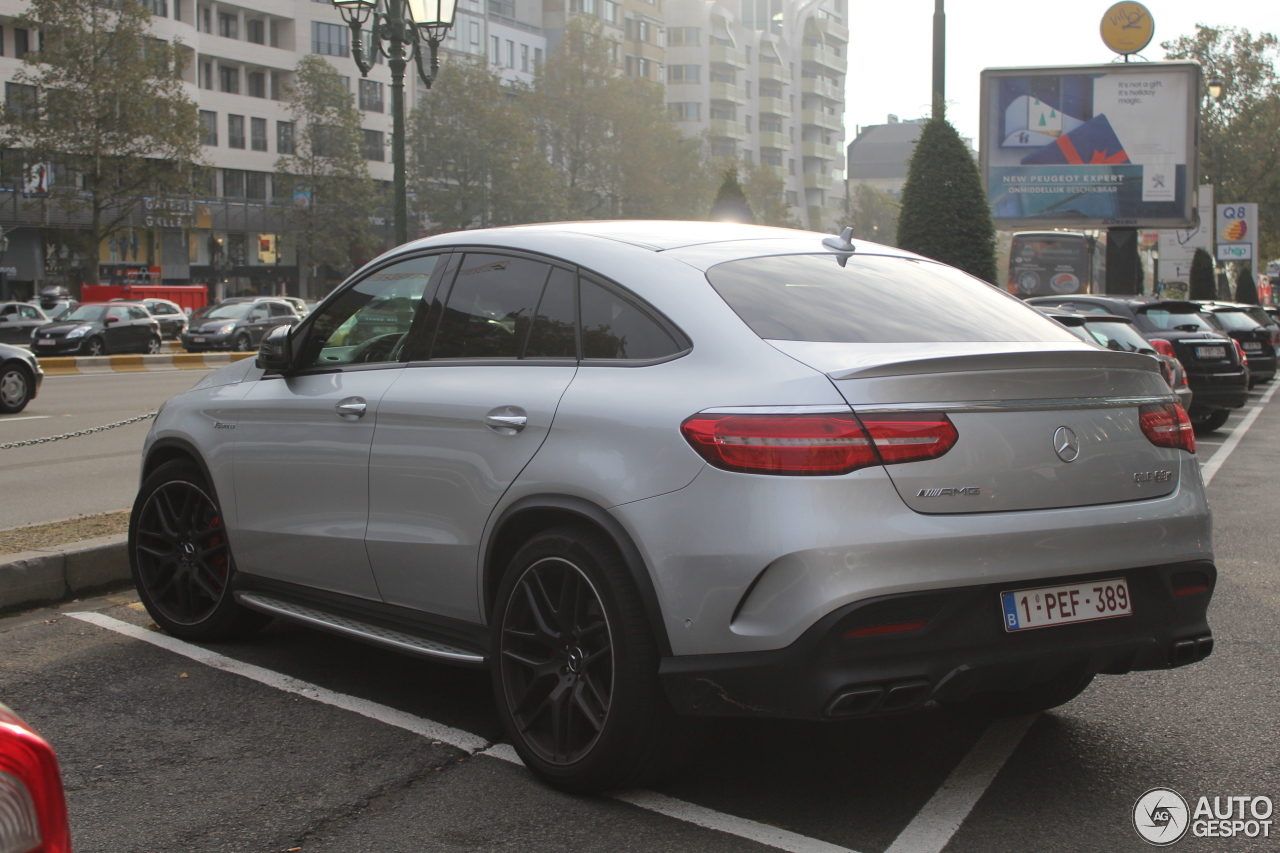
(641, 470)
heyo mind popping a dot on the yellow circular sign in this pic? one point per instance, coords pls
(1127, 27)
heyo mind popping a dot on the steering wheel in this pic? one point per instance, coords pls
(377, 348)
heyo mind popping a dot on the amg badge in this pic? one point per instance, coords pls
(971, 491)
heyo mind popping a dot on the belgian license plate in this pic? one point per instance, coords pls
(46, 342)
(1253, 346)
(1211, 352)
(1047, 606)
(197, 340)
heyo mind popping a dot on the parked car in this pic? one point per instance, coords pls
(20, 378)
(1216, 371)
(170, 316)
(33, 807)
(1255, 338)
(636, 471)
(99, 328)
(18, 320)
(237, 325)
(1121, 335)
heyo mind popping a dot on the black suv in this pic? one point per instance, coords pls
(1254, 337)
(1218, 378)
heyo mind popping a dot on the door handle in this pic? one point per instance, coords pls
(351, 408)
(507, 424)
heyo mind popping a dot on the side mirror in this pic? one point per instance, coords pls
(111, 320)
(273, 352)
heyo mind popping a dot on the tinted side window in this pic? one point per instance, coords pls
(490, 308)
(258, 314)
(554, 333)
(280, 310)
(613, 327)
(370, 321)
(138, 314)
(118, 313)
(29, 313)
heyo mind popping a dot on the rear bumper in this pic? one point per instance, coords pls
(963, 649)
(1226, 390)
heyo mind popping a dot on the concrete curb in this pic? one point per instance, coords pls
(50, 574)
(87, 365)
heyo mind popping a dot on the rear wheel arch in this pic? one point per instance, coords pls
(531, 515)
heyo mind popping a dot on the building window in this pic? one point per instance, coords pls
(771, 157)
(371, 96)
(229, 79)
(159, 8)
(792, 199)
(610, 12)
(20, 98)
(210, 122)
(328, 39)
(258, 134)
(511, 54)
(724, 76)
(685, 110)
(206, 75)
(255, 185)
(256, 84)
(256, 31)
(206, 20)
(726, 113)
(475, 36)
(277, 85)
(21, 42)
(683, 36)
(235, 131)
(684, 73)
(228, 26)
(284, 137)
(506, 8)
(748, 123)
(537, 58)
(495, 55)
(233, 183)
(524, 58)
(373, 149)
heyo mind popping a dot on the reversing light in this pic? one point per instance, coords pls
(1167, 425)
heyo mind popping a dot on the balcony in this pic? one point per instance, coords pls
(821, 218)
(728, 129)
(728, 55)
(821, 86)
(772, 139)
(773, 71)
(825, 58)
(817, 181)
(834, 30)
(773, 106)
(728, 92)
(817, 149)
(821, 119)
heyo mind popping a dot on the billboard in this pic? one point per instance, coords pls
(1091, 146)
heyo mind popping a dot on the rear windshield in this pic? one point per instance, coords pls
(1235, 321)
(873, 299)
(1185, 321)
(1114, 335)
(1260, 314)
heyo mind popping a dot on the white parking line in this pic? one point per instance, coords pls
(1220, 456)
(24, 418)
(931, 829)
(761, 833)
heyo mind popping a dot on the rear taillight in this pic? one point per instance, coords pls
(33, 810)
(816, 444)
(1244, 357)
(1167, 425)
(1163, 347)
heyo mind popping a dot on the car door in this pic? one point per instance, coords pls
(10, 325)
(255, 322)
(462, 420)
(32, 319)
(301, 457)
(142, 328)
(117, 333)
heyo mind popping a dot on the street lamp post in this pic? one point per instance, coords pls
(399, 30)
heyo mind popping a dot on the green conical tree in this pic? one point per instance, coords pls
(731, 202)
(1203, 285)
(1246, 285)
(944, 208)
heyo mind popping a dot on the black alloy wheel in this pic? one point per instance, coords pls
(181, 557)
(575, 666)
(15, 389)
(95, 346)
(557, 661)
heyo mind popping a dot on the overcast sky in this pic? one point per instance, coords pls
(891, 54)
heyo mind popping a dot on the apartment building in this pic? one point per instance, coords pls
(764, 79)
(635, 29)
(241, 61)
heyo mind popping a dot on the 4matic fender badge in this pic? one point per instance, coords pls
(970, 491)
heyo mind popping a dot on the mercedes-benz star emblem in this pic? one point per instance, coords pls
(1066, 445)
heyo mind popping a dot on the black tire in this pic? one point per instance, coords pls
(154, 345)
(1212, 421)
(181, 559)
(1035, 698)
(16, 385)
(243, 343)
(551, 663)
(95, 346)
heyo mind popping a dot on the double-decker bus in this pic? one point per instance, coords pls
(1052, 263)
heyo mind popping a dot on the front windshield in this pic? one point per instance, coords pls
(1235, 321)
(88, 313)
(1187, 321)
(234, 311)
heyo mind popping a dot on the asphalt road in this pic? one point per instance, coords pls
(88, 474)
(329, 745)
